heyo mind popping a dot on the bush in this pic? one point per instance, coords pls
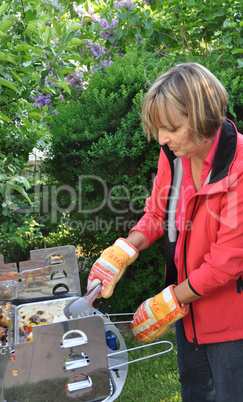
(98, 143)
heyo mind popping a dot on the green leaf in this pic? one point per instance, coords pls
(219, 12)
(27, 63)
(8, 84)
(22, 191)
(133, 18)
(66, 70)
(16, 75)
(123, 15)
(240, 63)
(6, 57)
(65, 85)
(74, 27)
(208, 17)
(4, 117)
(26, 122)
(18, 240)
(237, 51)
(47, 35)
(31, 15)
(3, 176)
(3, 8)
(147, 13)
(227, 24)
(75, 42)
(57, 27)
(35, 115)
(48, 119)
(5, 25)
(24, 46)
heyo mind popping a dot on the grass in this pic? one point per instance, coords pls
(154, 379)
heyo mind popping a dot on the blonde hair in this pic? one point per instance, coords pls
(189, 90)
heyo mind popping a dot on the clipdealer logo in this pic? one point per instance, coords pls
(47, 199)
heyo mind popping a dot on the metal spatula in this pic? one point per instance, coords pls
(82, 306)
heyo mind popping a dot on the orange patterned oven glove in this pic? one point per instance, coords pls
(155, 316)
(111, 265)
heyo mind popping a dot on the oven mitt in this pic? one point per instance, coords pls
(111, 265)
(155, 315)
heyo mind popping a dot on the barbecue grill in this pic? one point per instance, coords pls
(82, 358)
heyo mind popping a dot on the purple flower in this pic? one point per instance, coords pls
(97, 51)
(104, 63)
(123, 4)
(42, 100)
(104, 35)
(148, 1)
(114, 24)
(89, 42)
(104, 23)
(94, 17)
(75, 79)
(79, 9)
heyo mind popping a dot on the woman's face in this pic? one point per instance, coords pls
(177, 137)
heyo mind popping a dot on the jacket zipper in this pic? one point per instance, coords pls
(185, 262)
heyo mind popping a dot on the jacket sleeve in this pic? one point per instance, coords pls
(224, 262)
(152, 222)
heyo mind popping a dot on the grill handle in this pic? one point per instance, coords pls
(142, 358)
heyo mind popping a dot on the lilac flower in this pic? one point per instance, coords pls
(104, 63)
(105, 35)
(148, 1)
(123, 4)
(104, 23)
(79, 9)
(75, 79)
(42, 100)
(114, 24)
(121, 54)
(97, 51)
(94, 17)
(48, 79)
(48, 82)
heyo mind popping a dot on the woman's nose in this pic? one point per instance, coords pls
(163, 137)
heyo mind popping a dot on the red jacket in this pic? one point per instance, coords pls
(211, 252)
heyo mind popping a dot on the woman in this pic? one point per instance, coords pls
(197, 204)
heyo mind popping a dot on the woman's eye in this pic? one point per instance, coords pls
(172, 130)
(169, 129)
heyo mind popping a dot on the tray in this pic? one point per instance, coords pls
(52, 308)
